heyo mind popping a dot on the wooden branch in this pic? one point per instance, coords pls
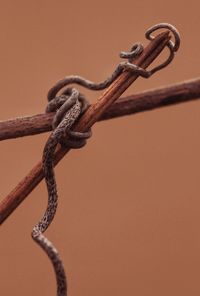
(94, 112)
(146, 100)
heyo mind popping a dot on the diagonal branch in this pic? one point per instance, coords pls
(146, 100)
(94, 112)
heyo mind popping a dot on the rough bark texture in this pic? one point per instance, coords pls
(144, 101)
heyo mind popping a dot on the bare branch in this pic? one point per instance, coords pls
(177, 93)
(93, 113)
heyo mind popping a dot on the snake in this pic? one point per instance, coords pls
(69, 106)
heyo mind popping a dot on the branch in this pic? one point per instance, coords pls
(94, 112)
(147, 100)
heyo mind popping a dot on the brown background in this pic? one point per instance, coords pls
(129, 211)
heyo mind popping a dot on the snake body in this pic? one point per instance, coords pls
(42, 225)
(69, 105)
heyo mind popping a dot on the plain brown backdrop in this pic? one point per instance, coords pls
(129, 208)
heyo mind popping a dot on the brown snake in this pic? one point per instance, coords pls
(69, 106)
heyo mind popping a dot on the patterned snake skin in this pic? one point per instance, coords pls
(69, 106)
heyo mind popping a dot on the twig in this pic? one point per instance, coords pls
(94, 112)
(147, 100)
